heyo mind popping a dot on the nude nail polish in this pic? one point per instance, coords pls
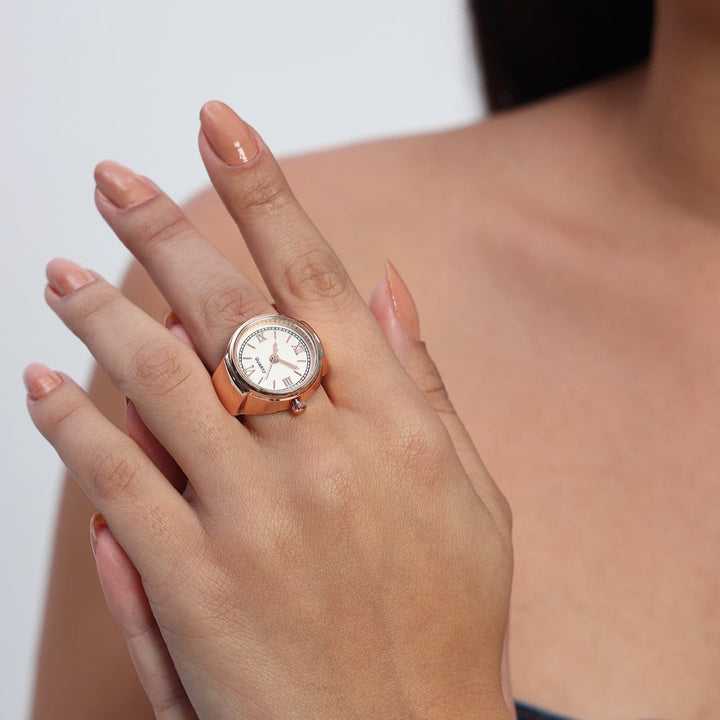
(97, 523)
(402, 302)
(230, 137)
(120, 185)
(65, 276)
(170, 319)
(40, 380)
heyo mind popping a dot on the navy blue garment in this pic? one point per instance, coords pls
(526, 712)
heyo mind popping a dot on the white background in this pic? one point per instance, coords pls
(83, 81)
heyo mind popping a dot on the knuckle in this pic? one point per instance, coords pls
(172, 704)
(226, 301)
(316, 273)
(160, 369)
(112, 471)
(138, 630)
(96, 299)
(428, 379)
(167, 224)
(63, 416)
(264, 191)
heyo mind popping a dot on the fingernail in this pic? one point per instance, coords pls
(170, 319)
(179, 331)
(402, 302)
(39, 380)
(97, 523)
(174, 325)
(231, 138)
(120, 185)
(65, 276)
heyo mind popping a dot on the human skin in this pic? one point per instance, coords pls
(580, 235)
(355, 562)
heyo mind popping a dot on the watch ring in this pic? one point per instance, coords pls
(272, 363)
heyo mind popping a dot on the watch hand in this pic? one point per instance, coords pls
(287, 364)
(271, 361)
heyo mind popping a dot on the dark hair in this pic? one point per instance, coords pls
(533, 48)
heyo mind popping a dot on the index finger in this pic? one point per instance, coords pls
(304, 275)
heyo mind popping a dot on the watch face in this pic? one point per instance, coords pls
(275, 355)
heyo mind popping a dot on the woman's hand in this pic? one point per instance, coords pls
(352, 562)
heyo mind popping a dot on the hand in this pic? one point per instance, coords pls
(354, 561)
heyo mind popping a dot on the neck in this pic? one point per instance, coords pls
(676, 137)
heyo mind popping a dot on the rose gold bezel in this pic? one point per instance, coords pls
(241, 396)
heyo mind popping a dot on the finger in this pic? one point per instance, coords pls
(303, 274)
(128, 604)
(149, 365)
(155, 452)
(148, 515)
(140, 433)
(393, 307)
(209, 294)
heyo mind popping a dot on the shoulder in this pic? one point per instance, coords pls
(367, 199)
(422, 198)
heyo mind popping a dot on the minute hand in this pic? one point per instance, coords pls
(287, 364)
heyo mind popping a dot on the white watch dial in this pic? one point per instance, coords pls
(274, 355)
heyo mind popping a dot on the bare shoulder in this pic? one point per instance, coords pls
(420, 199)
(370, 200)
(367, 199)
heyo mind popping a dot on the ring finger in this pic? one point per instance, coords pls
(152, 367)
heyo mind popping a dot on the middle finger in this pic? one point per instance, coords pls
(207, 292)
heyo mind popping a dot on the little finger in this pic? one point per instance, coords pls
(148, 515)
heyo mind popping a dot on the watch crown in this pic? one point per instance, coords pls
(298, 406)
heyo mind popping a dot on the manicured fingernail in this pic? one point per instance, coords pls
(180, 332)
(170, 319)
(402, 302)
(40, 380)
(97, 523)
(231, 138)
(65, 276)
(120, 185)
(174, 325)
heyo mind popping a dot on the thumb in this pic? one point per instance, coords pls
(125, 596)
(394, 308)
